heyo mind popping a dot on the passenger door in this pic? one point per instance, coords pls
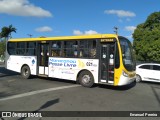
(43, 58)
(145, 72)
(156, 72)
(107, 62)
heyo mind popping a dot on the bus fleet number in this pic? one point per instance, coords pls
(89, 64)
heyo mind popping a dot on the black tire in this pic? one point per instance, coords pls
(138, 78)
(25, 72)
(86, 79)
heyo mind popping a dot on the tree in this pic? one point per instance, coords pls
(2, 47)
(6, 31)
(147, 39)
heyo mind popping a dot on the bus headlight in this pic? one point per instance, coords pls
(125, 74)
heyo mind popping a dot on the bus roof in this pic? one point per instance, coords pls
(96, 36)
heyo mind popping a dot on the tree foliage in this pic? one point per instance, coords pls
(6, 31)
(2, 47)
(147, 39)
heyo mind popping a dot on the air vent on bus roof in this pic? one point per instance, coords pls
(42, 37)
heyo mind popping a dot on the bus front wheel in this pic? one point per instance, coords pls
(25, 72)
(86, 79)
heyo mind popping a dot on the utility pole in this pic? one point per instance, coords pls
(116, 30)
(30, 35)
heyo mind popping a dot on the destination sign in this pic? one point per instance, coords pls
(108, 40)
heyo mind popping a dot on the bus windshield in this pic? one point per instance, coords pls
(127, 54)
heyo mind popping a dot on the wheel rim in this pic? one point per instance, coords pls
(86, 79)
(138, 79)
(25, 73)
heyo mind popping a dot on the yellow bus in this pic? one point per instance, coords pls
(88, 59)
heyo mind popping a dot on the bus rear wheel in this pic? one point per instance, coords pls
(25, 72)
(86, 79)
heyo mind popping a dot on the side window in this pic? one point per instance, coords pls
(145, 67)
(20, 50)
(56, 49)
(156, 67)
(70, 49)
(87, 49)
(31, 48)
(12, 48)
(93, 47)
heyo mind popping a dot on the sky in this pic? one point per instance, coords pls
(75, 17)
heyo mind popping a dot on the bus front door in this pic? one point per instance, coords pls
(43, 58)
(107, 63)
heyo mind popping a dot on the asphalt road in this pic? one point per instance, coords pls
(48, 94)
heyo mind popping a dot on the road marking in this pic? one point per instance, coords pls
(37, 92)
